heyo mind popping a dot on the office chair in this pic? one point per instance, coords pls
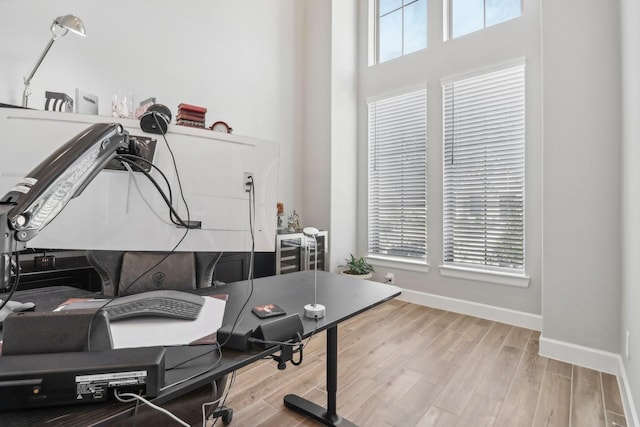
(190, 270)
(119, 273)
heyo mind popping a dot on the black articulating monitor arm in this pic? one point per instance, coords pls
(46, 190)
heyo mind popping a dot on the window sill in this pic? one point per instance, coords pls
(398, 263)
(494, 277)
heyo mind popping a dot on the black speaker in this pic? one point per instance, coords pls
(281, 330)
(56, 332)
(156, 119)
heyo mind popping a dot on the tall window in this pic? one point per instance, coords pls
(402, 27)
(398, 176)
(484, 148)
(467, 16)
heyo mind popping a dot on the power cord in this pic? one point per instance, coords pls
(134, 164)
(223, 398)
(211, 367)
(220, 401)
(175, 166)
(134, 397)
(250, 272)
(173, 214)
(287, 353)
(135, 182)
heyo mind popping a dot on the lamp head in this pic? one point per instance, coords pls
(310, 231)
(63, 24)
(60, 27)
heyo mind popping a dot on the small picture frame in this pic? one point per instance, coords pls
(86, 103)
(144, 106)
(58, 101)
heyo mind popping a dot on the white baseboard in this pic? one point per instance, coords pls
(588, 357)
(594, 359)
(490, 312)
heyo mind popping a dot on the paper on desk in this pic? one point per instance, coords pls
(153, 331)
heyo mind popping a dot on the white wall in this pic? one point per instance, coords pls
(581, 173)
(344, 130)
(242, 60)
(630, 13)
(316, 156)
(512, 40)
(330, 132)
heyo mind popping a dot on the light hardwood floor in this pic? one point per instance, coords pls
(405, 365)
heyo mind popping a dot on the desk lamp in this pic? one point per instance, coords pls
(315, 310)
(46, 190)
(60, 27)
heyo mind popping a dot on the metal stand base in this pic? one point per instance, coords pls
(314, 311)
(328, 416)
(318, 413)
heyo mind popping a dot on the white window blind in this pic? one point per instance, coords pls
(484, 148)
(398, 176)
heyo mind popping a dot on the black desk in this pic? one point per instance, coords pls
(344, 297)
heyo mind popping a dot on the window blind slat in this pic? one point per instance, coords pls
(483, 158)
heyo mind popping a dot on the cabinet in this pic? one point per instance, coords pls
(295, 252)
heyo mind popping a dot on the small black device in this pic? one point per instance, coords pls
(51, 379)
(156, 119)
(55, 332)
(280, 330)
(234, 338)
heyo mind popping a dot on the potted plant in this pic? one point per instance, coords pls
(357, 267)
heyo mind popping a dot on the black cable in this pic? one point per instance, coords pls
(152, 166)
(209, 368)
(217, 347)
(17, 278)
(250, 272)
(168, 201)
(275, 343)
(299, 361)
(224, 400)
(175, 167)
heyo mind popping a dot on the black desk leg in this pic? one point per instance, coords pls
(327, 416)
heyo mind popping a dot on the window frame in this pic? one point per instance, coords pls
(376, 26)
(448, 19)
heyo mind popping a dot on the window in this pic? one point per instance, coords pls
(402, 27)
(398, 176)
(467, 16)
(484, 131)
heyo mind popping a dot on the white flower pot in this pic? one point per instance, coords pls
(357, 276)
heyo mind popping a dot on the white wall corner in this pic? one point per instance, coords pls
(490, 312)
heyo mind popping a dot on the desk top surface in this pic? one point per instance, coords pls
(343, 297)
